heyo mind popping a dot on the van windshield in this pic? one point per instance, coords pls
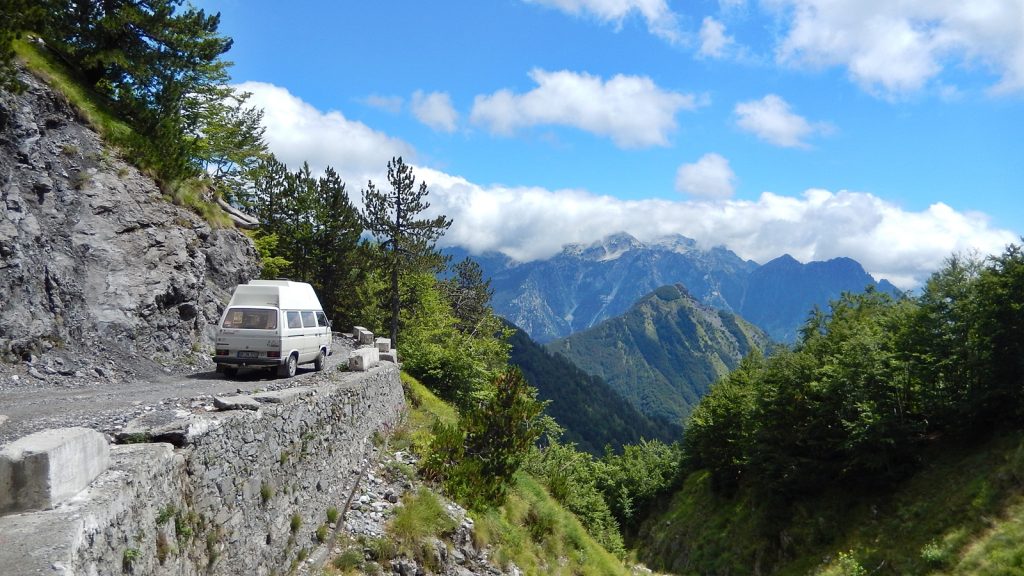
(251, 318)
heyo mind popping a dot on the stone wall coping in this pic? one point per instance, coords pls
(45, 542)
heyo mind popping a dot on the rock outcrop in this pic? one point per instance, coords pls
(93, 259)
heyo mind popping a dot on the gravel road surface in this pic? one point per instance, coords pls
(105, 391)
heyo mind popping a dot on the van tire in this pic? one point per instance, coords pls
(321, 360)
(287, 370)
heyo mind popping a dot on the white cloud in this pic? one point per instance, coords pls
(894, 48)
(902, 246)
(771, 120)
(435, 110)
(713, 41)
(527, 223)
(661, 20)
(632, 110)
(708, 177)
(392, 104)
(297, 132)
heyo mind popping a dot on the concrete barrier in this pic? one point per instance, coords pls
(362, 359)
(383, 344)
(363, 336)
(41, 470)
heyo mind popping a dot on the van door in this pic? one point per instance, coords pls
(310, 337)
(325, 331)
(292, 334)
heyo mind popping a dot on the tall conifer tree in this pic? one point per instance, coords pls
(408, 241)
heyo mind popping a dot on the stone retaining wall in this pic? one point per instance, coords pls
(244, 494)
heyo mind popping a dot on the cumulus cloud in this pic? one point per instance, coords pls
(529, 222)
(902, 246)
(709, 177)
(661, 20)
(714, 43)
(894, 48)
(297, 132)
(631, 110)
(435, 110)
(771, 120)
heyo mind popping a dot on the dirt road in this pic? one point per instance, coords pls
(43, 395)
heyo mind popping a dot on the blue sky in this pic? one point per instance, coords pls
(889, 132)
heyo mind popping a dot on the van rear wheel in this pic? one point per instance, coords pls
(287, 370)
(321, 359)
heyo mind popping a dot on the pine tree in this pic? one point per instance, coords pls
(408, 241)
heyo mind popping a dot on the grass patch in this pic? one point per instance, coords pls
(533, 531)
(93, 108)
(421, 517)
(426, 409)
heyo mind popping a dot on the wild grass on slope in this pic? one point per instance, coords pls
(94, 110)
(963, 514)
(531, 530)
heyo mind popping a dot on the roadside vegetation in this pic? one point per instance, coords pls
(887, 440)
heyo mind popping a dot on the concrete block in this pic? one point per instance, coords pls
(362, 359)
(363, 336)
(383, 344)
(391, 356)
(41, 470)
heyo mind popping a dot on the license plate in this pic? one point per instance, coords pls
(248, 354)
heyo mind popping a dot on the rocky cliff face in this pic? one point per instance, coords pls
(93, 260)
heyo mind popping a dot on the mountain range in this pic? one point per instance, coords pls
(585, 284)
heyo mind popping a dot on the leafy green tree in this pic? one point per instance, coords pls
(570, 476)
(721, 429)
(1000, 337)
(456, 365)
(408, 240)
(636, 478)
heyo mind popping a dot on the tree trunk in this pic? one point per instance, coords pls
(394, 302)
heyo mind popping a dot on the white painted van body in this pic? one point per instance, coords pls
(273, 323)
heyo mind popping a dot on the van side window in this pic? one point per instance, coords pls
(294, 320)
(321, 319)
(308, 319)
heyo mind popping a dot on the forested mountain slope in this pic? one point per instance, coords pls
(593, 414)
(665, 352)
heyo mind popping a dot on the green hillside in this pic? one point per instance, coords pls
(592, 413)
(963, 513)
(665, 352)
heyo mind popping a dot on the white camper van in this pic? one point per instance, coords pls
(273, 323)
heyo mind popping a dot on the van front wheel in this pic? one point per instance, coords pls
(287, 370)
(321, 359)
